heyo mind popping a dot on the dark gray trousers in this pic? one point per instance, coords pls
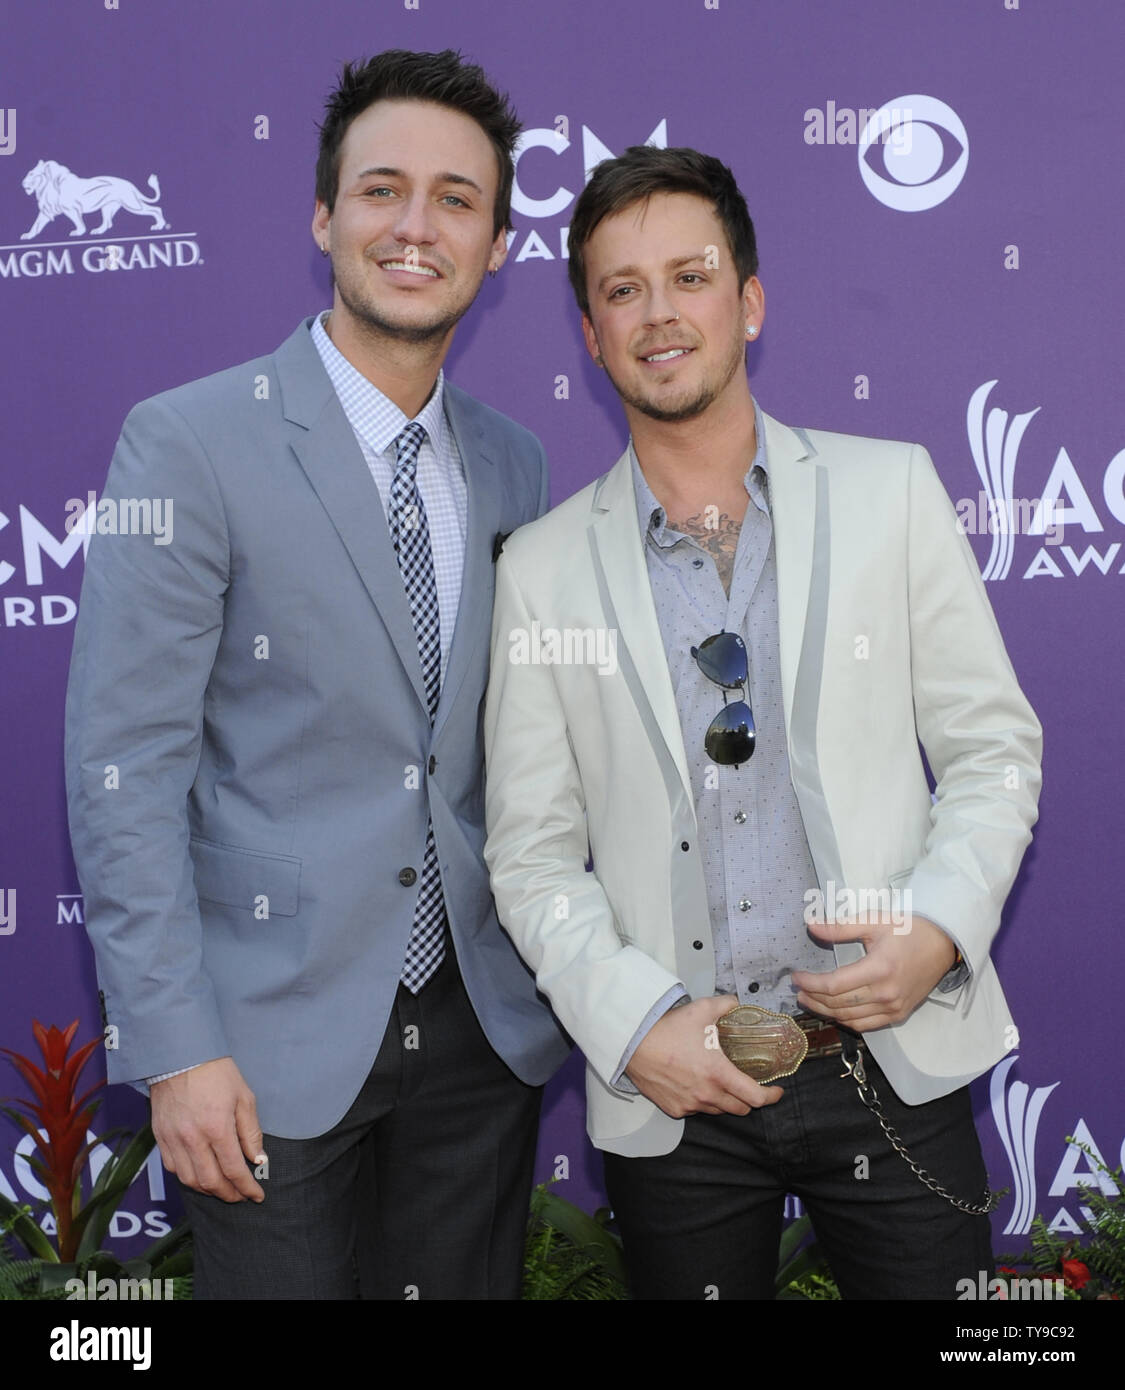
(705, 1220)
(421, 1190)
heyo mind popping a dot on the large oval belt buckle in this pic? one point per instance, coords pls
(764, 1045)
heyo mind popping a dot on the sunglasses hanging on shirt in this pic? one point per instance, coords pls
(730, 737)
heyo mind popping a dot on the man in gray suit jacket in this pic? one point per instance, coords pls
(274, 752)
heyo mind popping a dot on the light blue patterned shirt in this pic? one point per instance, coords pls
(757, 864)
(377, 422)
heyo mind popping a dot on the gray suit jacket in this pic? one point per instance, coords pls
(250, 763)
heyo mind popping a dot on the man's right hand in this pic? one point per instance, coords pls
(206, 1124)
(679, 1066)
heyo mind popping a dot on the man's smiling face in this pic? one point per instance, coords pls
(411, 234)
(667, 317)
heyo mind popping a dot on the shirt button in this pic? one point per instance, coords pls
(684, 845)
(431, 765)
(753, 987)
(697, 564)
(697, 945)
(744, 904)
(407, 877)
(740, 817)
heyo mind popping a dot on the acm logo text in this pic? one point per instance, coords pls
(557, 140)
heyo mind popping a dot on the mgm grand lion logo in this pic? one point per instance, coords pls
(61, 193)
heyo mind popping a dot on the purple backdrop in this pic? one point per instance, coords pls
(967, 248)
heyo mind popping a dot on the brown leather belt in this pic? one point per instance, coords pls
(824, 1037)
(767, 1045)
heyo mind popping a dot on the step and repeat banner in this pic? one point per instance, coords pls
(937, 190)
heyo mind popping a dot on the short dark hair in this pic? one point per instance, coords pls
(639, 173)
(400, 75)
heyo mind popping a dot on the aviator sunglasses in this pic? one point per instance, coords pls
(730, 737)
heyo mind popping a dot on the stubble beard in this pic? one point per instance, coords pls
(374, 320)
(708, 393)
(379, 326)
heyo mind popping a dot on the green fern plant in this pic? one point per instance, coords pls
(802, 1269)
(570, 1254)
(19, 1279)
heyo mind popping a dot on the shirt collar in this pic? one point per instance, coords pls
(373, 416)
(650, 514)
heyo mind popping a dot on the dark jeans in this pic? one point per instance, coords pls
(421, 1190)
(704, 1221)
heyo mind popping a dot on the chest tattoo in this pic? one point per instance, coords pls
(718, 537)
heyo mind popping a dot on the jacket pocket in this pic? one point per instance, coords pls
(247, 878)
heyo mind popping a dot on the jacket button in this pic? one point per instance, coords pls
(407, 877)
(684, 845)
(753, 987)
(431, 765)
(697, 945)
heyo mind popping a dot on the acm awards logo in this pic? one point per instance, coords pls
(1054, 509)
(535, 172)
(36, 543)
(61, 196)
(1016, 1111)
(20, 1184)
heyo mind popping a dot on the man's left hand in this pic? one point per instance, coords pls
(904, 961)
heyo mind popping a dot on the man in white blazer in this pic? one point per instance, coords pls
(274, 757)
(734, 570)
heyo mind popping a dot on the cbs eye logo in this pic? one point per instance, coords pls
(913, 153)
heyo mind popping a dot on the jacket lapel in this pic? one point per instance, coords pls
(799, 502)
(798, 489)
(618, 552)
(334, 465)
(471, 635)
(793, 511)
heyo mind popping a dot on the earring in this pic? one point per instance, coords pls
(323, 249)
(598, 361)
(492, 269)
(751, 331)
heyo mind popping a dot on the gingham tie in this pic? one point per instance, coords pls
(425, 950)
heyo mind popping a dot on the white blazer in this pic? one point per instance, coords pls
(586, 757)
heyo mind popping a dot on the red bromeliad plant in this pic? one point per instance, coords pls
(81, 1227)
(63, 1149)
